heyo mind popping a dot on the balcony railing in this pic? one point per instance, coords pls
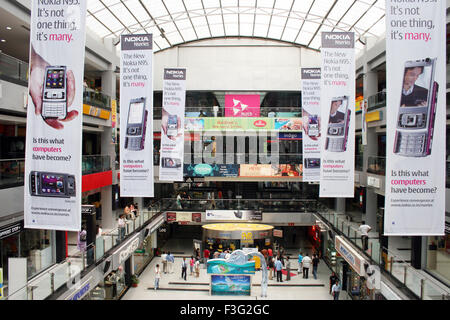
(12, 170)
(96, 163)
(265, 205)
(238, 158)
(392, 264)
(96, 99)
(13, 70)
(376, 165)
(377, 100)
(48, 282)
(271, 112)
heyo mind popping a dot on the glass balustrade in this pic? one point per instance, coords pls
(376, 165)
(13, 70)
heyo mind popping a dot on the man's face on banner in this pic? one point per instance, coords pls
(335, 106)
(411, 76)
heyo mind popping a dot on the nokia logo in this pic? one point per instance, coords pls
(136, 39)
(337, 37)
(311, 71)
(174, 71)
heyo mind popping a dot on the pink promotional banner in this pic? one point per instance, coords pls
(242, 105)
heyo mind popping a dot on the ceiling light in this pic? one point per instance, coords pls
(8, 28)
(3, 40)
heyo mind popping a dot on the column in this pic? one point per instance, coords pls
(339, 205)
(370, 87)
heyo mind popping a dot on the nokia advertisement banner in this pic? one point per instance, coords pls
(416, 127)
(52, 196)
(311, 123)
(172, 125)
(136, 116)
(338, 115)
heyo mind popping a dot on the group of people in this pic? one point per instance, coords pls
(168, 261)
(130, 212)
(305, 263)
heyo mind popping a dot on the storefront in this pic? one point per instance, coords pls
(237, 235)
(38, 246)
(350, 269)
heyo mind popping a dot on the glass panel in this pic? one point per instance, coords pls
(41, 288)
(108, 242)
(99, 248)
(60, 275)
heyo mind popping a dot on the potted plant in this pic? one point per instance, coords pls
(134, 281)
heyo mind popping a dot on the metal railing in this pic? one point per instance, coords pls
(13, 70)
(377, 100)
(70, 270)
(394, 266)
(271, 112)
(265, 205)
(242, 158)
(11, 173)
(96, 98)
(12, 170)
(95, 163)
(376, 165)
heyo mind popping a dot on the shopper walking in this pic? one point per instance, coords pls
(288, 269)
(333, 279)
(315, 263)
(279, 267)
(183, 268)
(197, 268)
(157, 276)
(271, 267)
(306, 264)
(170, 261)
(335, 290)
(191, 265)
(364, 229)
(164, 261)
(121, 226)
(300, 258)
(82, 239)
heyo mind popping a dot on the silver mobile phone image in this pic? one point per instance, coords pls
(313, 125)
(172, 126)
(54, 95)
(338, 125)
(51, 184)
(136, 125)
(415, 121)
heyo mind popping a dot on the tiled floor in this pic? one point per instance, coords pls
(185, 292)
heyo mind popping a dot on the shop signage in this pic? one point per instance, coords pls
(125, 251)
(171, 216)
(278, 233)
(289, 136)
(268, 170)
(231, 285)
(214, 170)
(82, 292)
(196, 217)
(184, 217)
(11, 229)
(288, 124)
(350, 255)
(373, 116)
(373, 182)
(96, 112)
(242, 105)
(242, 215)
(88, 209)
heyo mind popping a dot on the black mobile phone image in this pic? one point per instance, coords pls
(54, 93)
(136, 125)
(415, 121)
(338, 125)
(312, 163)
(51, 184)
(172, 126)
(313, 125)
(170, 162)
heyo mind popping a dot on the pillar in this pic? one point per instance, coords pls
(340, 205)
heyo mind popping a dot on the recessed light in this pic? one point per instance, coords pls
(3, 40)
(8, 28)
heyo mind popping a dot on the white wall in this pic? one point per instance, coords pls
(237, 64)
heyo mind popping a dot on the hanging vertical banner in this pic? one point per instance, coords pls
(365, 105)
(113, 121)
(416, 127)
(136, 116)
(172, 125)
(52, 196)
(311, 123)
(338, 115)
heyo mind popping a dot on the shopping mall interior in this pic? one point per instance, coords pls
(227, 47)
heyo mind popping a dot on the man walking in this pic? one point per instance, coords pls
(183, 268)
(300, 258)
(170, 261)
(315, 263)
(335, 290)
(157, 276)
(364, 229)
(279, 267)
(164, 261)
(306, 264)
